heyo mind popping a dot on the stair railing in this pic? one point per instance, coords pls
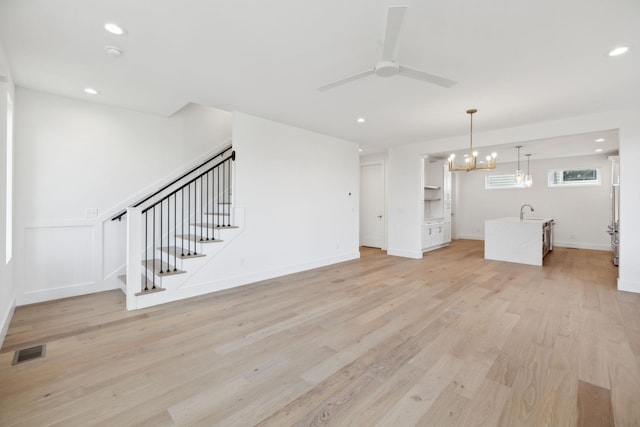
(218, 156)
(173, 225)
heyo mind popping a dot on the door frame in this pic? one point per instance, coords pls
(382, 165)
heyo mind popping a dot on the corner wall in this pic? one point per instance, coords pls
(299, 191)
(7, 284)
(73, 155)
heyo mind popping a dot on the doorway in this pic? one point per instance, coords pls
(372, 221)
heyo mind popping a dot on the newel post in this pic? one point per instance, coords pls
(134, 255)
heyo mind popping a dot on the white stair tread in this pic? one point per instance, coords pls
(123, 279)
(216, 226)
(196, 238)
(167, 270)
(178, 251)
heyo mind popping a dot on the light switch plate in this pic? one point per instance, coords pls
(91, 212)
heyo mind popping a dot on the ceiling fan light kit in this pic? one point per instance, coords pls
(387, 66)
(471, 159)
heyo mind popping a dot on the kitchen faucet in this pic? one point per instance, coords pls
(522, 210)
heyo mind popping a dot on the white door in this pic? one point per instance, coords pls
(372, 205)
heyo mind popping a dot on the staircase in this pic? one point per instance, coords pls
(174, 232)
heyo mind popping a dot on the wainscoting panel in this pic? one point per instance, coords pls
(58, 259)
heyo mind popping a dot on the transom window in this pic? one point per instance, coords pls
(573, 177)
(496, 182)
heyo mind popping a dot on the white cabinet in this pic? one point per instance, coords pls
(435, 235)
(436, 230)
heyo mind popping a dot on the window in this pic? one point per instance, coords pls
(495, 182)
(574, 177)
(9, 189)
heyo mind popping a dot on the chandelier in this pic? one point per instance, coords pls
(519, 174)
(528, 179)
(471, 161)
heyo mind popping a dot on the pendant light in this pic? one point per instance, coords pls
(519, 174)
(471, 159)
(528, 179)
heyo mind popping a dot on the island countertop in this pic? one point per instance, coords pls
(514, 240)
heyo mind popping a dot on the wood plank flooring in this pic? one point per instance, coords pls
(449, 340)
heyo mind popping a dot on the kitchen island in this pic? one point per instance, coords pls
(524, 241)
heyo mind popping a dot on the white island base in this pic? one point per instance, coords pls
(514, 240)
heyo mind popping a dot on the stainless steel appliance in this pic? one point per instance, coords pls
(614, 226)
(547, 237)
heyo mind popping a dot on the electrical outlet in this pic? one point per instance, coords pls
(91, 212)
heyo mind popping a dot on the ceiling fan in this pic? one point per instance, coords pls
(387, 66)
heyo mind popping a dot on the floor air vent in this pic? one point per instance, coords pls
(28, 354)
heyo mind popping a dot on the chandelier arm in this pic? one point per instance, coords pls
(472, 162)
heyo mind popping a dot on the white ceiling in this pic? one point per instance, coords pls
(517, 62)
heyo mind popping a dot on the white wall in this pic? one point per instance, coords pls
(73, 155)
(404, 169)
(300, 194)
(629, 270)
(581, 213)
(7, 287)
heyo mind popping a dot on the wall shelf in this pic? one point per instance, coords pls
(431, 187)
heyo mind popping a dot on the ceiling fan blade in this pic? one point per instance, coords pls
(430, 78)
(347, 79)
(395, 16)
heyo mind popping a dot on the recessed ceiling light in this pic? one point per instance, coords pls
(114, 28)
(90, 91)
(113, 51)
(618, 51)
(598, 150)
(360, 150)
(599, 140)
(360, 120)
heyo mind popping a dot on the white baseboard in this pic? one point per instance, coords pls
(581, 245)
(6, 320)
(469, 237)
(75, 290)
(232, 282)
(628, 286)
(560, 244)
(405, 254)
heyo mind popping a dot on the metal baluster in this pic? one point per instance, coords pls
(213, 203)
(175, 230)
(207, 205)
(153, 276)
(188, 217)
(168, 233)
(195, 213)
(146, 250)
(182, 222)
(201, 209)
(228, 162)
(161, 225)
(218, 202)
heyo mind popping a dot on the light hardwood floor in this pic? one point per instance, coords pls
(449, 340)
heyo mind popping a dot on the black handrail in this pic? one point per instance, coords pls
(186, 184)
(221, 153)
